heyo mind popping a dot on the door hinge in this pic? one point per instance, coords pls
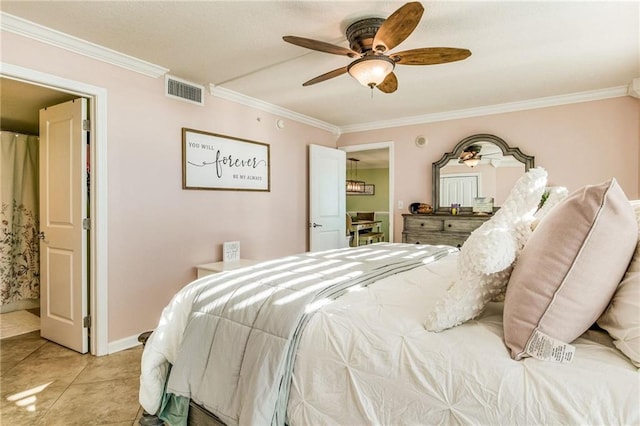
(86, 322)
(86, 223)
(86, 125)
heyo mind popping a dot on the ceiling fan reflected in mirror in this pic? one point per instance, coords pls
(471, 156)
(370, 41)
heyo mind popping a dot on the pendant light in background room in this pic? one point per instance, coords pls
(353, 184)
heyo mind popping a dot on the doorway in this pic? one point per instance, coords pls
(47, 247)
(378, 155)
(97, 260)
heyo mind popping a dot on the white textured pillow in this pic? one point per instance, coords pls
(622, 317)
(569, 271)
(555, 194)
(486, 257)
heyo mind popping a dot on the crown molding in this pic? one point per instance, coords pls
(56, 38)
(52, 37)
(593, 95)
(239, 98)
(43, 34)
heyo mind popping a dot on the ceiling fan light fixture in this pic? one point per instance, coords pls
(472, 162)
(471, 156)
(371, 70)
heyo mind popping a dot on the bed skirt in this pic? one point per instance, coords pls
(198, 416)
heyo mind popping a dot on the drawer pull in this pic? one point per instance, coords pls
(449, 225)
(417, 242)
(421, 224)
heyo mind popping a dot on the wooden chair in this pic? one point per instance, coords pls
(365, 216)
(349, 231)
(370, 238)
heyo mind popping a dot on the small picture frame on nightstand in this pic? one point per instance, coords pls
(230, 251)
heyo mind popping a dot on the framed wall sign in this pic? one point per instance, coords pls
(230, 251)
(212, 161)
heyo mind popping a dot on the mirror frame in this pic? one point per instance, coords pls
(527, 160)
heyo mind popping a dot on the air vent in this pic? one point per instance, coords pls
(183, 90)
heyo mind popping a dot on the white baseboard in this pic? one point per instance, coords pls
(124, 344)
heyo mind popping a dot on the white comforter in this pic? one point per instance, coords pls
(367, 359)
(231, 338)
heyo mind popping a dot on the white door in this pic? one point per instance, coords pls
(458, 189)
(63, 206)
(327, 198)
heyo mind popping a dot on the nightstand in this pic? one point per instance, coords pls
(216, 267)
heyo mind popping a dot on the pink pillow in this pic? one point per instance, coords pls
(568, 271)
(622, 317)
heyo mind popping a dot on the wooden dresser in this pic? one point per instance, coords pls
(439, 229)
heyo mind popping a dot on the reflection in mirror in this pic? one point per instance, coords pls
(480, 170)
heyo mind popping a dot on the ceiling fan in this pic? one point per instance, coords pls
(371, 39)
(471, 155)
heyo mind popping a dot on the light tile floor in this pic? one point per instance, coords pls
(42, 383)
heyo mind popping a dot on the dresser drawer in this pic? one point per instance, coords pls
(461, 225)
(439, 229)
(423, 223)
(435, 238)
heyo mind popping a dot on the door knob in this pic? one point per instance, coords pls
(41, 235)
(316, 225)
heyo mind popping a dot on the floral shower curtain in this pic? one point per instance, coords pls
(19, 244)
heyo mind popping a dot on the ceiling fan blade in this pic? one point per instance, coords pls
(430, 55)
(389, 85)
(397, 27)
(320, 46)
(326, 76)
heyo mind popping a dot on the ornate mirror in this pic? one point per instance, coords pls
(480, 166)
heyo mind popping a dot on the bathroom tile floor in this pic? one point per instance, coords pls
(42, 383)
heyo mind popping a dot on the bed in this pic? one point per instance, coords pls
(338, 337)
(366, 359)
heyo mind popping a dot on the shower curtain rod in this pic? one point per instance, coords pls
(20, 133)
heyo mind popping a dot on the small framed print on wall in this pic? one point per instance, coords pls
(369, 189)
(212, 161)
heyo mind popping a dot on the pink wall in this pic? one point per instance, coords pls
(577, 144)
(506, 178)
(157, 230)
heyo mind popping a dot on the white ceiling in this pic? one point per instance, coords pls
(370, 158)
(520, 50)
(20, 104)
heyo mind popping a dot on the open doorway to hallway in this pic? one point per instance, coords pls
(374, 167)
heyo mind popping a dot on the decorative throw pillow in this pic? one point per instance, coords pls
(485, 260)
(568, 271)
(622, 317)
